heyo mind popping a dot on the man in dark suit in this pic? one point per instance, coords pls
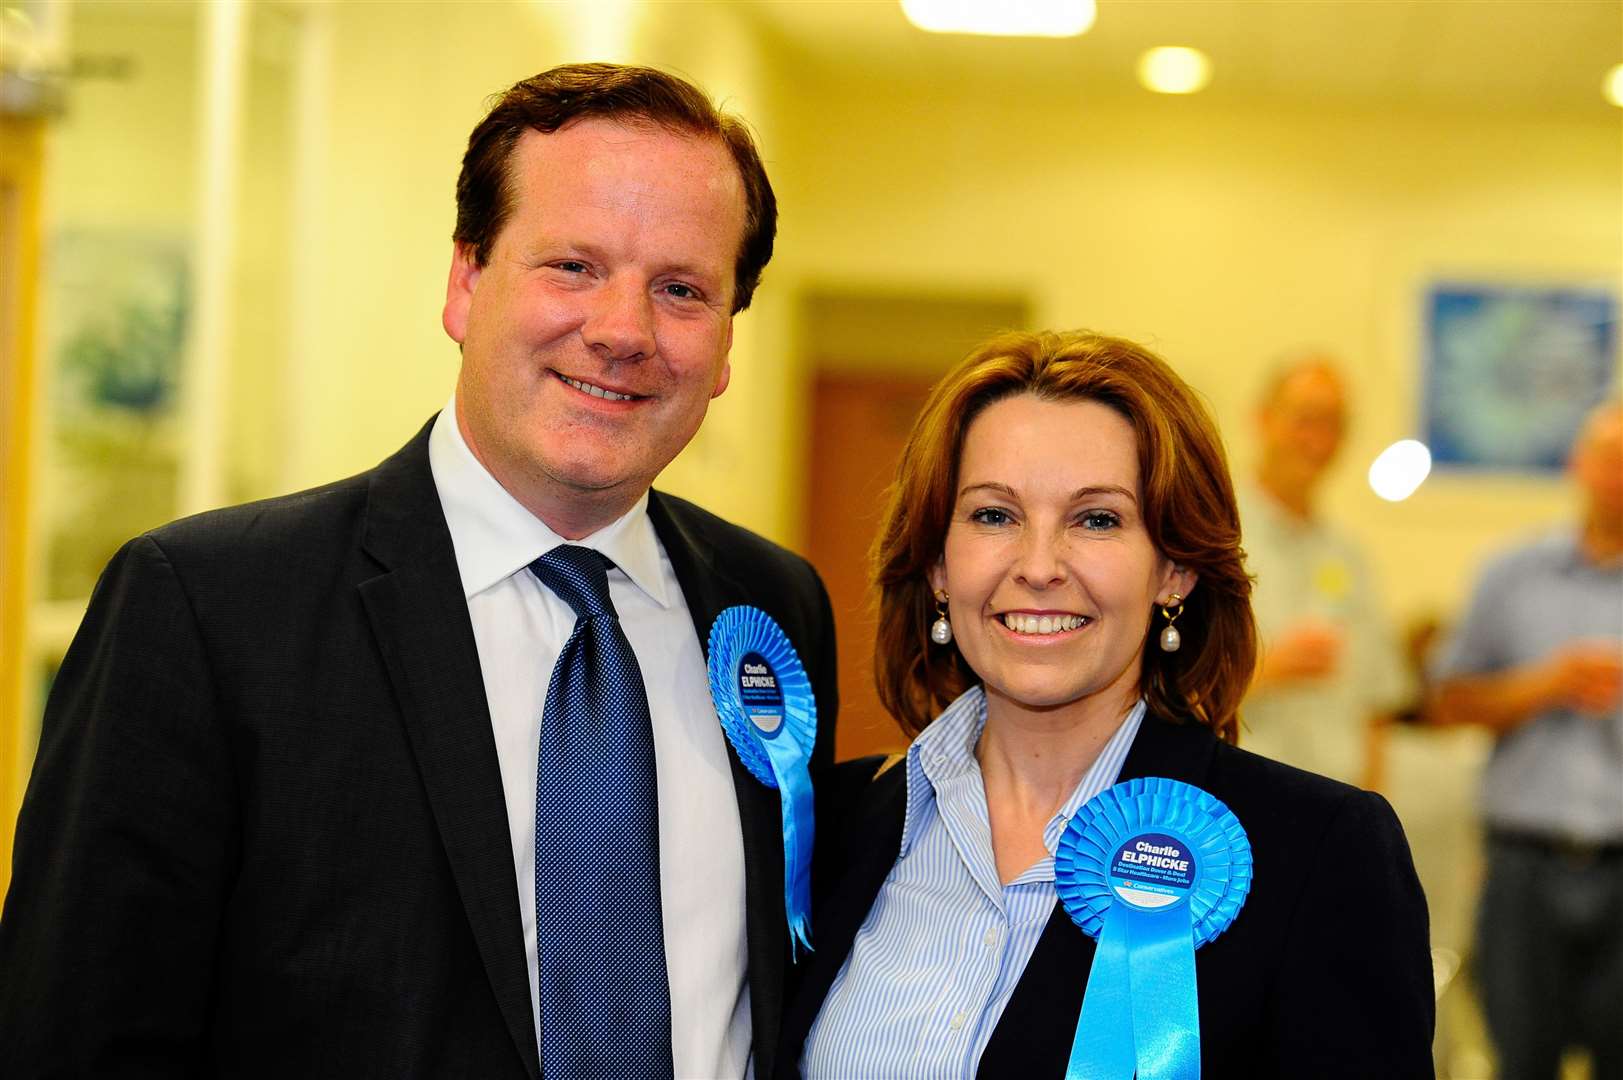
(296, 811)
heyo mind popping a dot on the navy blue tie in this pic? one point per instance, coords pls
(600, 945)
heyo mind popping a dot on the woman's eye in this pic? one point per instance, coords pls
(990, 515)
(1100, 519)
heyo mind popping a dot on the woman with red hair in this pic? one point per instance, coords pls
(1064, 606)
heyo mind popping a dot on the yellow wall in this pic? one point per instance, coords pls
(21, 142)
(1225, 238)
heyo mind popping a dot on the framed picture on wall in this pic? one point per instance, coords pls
(1510, 371)
(120, 301)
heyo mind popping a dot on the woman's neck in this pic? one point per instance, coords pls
(1031, 761)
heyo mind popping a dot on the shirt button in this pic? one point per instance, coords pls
(958, 1021)
(991, 936)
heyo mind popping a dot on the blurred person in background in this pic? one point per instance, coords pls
(1330, 667)
(1538, 661)
(418, 774)
(1063, 606)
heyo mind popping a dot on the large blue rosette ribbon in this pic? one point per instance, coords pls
(1152, 869)
(769, 713)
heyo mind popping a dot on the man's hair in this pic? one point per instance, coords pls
(1188, 507)
(552, 99)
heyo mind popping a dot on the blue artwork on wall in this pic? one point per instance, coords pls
(1511, 370)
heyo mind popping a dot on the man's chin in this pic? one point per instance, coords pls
(589, 483)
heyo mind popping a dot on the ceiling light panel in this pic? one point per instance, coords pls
(1002, 18)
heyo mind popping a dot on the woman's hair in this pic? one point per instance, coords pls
(1188, 508)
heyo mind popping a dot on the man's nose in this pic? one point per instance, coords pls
(620, 321)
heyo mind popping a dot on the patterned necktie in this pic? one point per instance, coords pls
(600, 946)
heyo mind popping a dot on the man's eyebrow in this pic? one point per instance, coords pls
(693, 270)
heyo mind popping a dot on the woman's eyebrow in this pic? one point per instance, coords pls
(989, 485)
(1081, 493)
(1103, 489)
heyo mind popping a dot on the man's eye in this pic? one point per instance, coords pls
(1100, 519)
(990, 515)
(571, 266)
(681, 291)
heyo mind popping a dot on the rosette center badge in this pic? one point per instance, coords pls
(759, 694)
(1153, 870)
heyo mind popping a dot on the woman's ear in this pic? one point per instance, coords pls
(938, 575)
(1178, 579)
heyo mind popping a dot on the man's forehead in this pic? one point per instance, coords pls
(628, 139)
(1316, 384)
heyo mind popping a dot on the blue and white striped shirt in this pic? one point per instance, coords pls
(945, 943)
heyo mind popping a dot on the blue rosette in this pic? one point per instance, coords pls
(769, 712)
(1152, 869)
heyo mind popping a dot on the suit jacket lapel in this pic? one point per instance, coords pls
(708, 590)
(420, 619)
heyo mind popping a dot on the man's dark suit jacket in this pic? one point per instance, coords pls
(1325, 973)
(265, 834)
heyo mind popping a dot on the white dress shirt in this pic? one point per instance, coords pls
(520, 626)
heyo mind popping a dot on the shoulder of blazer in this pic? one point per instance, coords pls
(1245, 781)
(1270, 795)
(395, 499)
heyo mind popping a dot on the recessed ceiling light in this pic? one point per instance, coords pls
(1174, 69)
(1614, 86)
(1400, 469)
(1002, 18)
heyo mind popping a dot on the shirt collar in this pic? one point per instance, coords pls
(495, 537)
(1568, 546)
(946, 750)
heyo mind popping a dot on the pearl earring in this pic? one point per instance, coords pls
(1171, 640)
(941, 629)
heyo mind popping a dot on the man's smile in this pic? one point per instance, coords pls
(598, 391)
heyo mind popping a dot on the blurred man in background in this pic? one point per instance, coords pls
(1330, 666)
(1538, 660)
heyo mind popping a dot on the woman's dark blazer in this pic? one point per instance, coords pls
(1326, 972)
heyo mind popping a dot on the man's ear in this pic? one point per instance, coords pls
(464, 278)
(726, 375)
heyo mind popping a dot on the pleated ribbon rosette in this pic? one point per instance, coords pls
(1152, 869)
(769, 712)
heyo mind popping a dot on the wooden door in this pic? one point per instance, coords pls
(859, 426)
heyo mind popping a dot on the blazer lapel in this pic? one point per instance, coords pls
(1034, 1034)
(420, 619)
(708, 589)
(1173, 750)
(872, 833)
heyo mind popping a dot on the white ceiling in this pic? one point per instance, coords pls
(1533, 55)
